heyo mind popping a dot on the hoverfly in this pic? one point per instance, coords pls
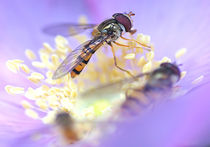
(106, 32)
(159, 85)
(63, 131)
(66, 126)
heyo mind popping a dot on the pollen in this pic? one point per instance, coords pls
(31, 113)
(130, 56)
(26, 104)
(14, 65)
(141, 62)
(30, 54)
(25, 68)
(147, 67)
(180, 53)
(165, 59)
(150, 56)
(183, 74)
(14, 90)
(36, 77)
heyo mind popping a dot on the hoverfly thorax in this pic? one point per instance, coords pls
(172, 70)
(111, 28)
(164, 77)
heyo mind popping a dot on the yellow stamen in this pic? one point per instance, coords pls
(31, 113)
(14, 90)
(30, 54)
(180, 53)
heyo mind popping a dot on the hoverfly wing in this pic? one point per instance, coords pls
(70, 61)
(67, 29)
(111, 89)
(77, 55)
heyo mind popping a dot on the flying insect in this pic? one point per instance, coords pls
(158, 85)
(106, 32)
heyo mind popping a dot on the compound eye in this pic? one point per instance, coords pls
(124, 20)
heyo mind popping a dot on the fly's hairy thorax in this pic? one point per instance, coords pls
(111, 28)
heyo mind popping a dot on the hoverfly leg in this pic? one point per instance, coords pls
(146, 47)
(123, 45)
(115, 62)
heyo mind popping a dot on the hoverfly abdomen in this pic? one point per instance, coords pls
(84, 58)
(136, 101)
(78, 69)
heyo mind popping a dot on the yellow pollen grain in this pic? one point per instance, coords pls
(147, 39)
(25, 68)
(62, 50)
(180, 53)
(141, 62)
(130, 56)
(140, 37)
(38, 64)
(165, 59)
(35, 77)
(12, 67)
(55, 59)
(42, 104)
(31, 113)
(147, 67)
(44, 58)
(198, 80)
(49, 118)
(183, 74)
(17, 61)
(30, 93)
(26, 104)
(60, 40)
(150, 55)
(30, 54)
(73, 93)
(144, 39)
(48, 48)
(14, 90)
(45, 87)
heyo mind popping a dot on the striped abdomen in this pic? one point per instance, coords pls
(140, 99)
(84, 58)
(136, 101)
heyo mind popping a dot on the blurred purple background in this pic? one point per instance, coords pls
(171, 24)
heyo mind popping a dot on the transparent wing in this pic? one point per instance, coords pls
(67, 29)
(110, 90)
(73, 58)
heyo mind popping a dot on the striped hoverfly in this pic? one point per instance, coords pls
(106, 32)
(140, 95)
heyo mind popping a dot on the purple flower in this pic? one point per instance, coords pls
(171, 24)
